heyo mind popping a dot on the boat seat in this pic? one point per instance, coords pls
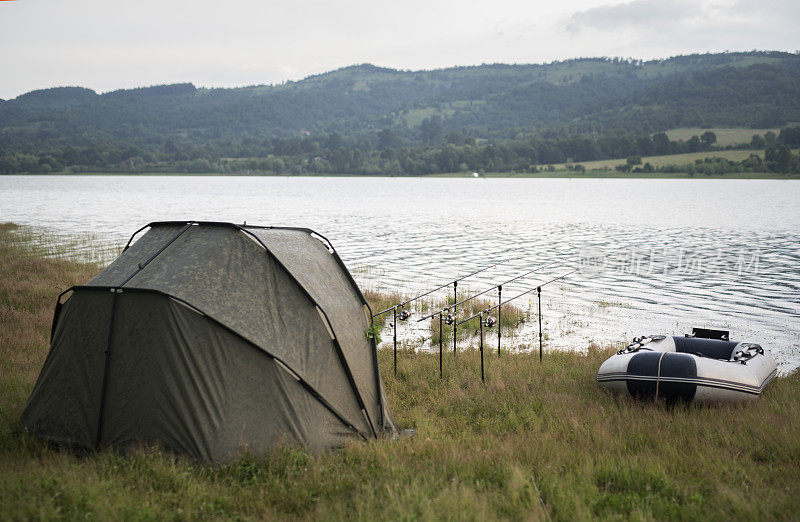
(713, 348)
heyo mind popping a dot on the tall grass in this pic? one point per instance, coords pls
(29, 284)
(537, 441)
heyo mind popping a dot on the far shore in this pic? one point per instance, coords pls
(599, 174)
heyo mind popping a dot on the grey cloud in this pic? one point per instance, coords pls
(768, 8)
(635, 13)
(657, 15)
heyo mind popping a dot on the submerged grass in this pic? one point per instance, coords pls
(537, 441)
(511, 318)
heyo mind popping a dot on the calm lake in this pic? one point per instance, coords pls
(653, 256)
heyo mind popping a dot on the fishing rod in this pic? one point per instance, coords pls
(451, 317)
(499, 285)
(454, 281)
(405, 314)
(490, 320)
(536, 288)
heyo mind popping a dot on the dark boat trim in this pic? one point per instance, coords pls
(699, 381)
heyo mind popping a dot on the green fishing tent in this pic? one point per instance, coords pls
(212, 339)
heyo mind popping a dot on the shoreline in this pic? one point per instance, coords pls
(488, 175)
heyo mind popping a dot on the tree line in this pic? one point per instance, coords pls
(334, 154)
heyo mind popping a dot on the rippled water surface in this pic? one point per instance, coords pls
(653, 256)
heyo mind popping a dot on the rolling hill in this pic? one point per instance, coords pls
(367, 110)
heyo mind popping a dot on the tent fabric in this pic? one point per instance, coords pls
(332, 287)
(219, 338)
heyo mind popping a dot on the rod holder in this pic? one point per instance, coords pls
(499, 316)
(539, 295)
(440, 345)
(455, 311)
(483, 376)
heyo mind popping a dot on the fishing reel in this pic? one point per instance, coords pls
(489, 322)
(449, 319)
(403, 314)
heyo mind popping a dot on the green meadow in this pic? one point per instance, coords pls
(725, 136)
(537, 441)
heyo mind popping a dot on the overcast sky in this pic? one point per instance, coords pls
(109, 44)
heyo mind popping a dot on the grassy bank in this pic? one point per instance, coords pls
(674, 159)
(603, 174)
(538, 441)
(594, 169)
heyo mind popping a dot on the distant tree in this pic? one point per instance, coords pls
(779, 159)
(334, 141)
(790, 136)
(753, 163)
(708, 138)
(661, 144)
(170, 148)
(455, 137)
(387, 139)
(431, 129)
(645, 145)
(694, 144)
(757, 142)
(770, 138)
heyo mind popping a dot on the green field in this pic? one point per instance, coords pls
(538, 441)
(611, 173)
(670, 159)
(681, 159)
(414, 117)
(602, 174)
(735, 136)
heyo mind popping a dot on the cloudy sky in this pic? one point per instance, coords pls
(109, 44)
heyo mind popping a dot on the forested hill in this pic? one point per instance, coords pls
(363, 109)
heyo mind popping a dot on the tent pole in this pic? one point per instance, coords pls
(114, 292)
(141, 266)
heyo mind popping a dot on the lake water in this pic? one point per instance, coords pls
(653, 256)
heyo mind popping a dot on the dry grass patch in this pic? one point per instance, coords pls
(29, 285)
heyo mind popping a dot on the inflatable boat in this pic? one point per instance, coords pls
(703, 367)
